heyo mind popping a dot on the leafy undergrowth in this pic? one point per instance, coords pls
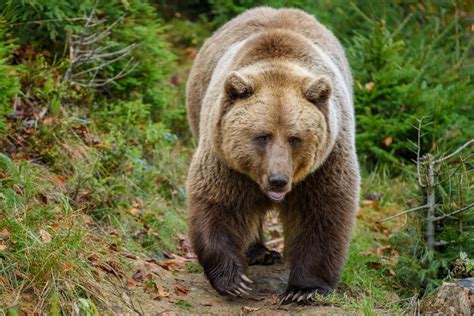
(85, 173)
(87, 192)
(78, 185)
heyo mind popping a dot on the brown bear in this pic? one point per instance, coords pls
(270, 102)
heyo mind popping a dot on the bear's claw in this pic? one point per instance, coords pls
(245, 278)
(300, 295)
(240, 288)
(228, 279)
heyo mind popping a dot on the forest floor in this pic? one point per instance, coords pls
(184, 292)
(176, 284)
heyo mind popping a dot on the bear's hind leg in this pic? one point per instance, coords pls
(258, 254)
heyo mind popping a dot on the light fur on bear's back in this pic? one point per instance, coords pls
(233, 36)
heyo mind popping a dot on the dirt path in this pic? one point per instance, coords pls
(155, 289)
(170, 287)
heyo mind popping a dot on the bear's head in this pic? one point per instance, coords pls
(273, 126)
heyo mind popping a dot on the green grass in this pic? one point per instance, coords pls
(184, 305)
(53, 216)
(194, 267)
(44, 239)
(85, 178)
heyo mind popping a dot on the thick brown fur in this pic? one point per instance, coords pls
(269, 101)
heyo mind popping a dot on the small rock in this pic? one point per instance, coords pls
(374, 196)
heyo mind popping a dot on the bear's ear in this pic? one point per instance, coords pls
(318, 90)
(237, 86)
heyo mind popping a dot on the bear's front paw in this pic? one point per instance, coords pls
(301, 295)
(229, 281)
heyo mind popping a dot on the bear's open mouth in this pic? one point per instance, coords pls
(276, 196)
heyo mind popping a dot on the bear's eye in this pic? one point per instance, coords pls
(263, 139)
(294, 140)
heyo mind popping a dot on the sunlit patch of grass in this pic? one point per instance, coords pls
(184, 304)
(44, 242)
(194, 267)
(79, 198)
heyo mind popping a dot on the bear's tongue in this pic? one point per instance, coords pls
(276, 196)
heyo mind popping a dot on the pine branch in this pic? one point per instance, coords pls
(404, 212)
(457, 151)
(464, 209)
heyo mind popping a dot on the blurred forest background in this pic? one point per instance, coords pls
(94, 142)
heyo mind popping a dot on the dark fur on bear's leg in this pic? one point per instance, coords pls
(221, 256)
(318, 225)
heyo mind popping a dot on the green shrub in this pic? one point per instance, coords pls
(422, 269)
(9, 80)
(138, 24)
(43, 23)
(108, 155)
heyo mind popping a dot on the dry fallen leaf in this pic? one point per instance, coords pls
(154, 267)
(18, 189)
(369, 86)
(3, 247)
(163, 293)
(181, 290)
(388, 141)
(14, 73)
(173, 265)
(114, 247)
(129, 255)
(4, 233)
(131, 283)
(134, 211)
(87, 219)
(381, 250)
(368, 202)
(45, 236)
(67, 267)
(373, 264)
(48, 121)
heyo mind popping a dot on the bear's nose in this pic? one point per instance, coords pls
(277, 181)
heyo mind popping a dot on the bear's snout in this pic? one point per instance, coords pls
(278, 185)
(277, 182)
